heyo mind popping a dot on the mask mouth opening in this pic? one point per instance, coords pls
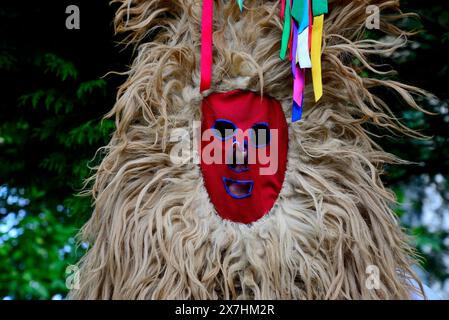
(238, 189)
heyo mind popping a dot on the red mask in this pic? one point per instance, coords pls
(248, 143)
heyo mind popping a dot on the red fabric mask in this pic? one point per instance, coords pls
(249, 137)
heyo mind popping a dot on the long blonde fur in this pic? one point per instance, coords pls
(154, 233)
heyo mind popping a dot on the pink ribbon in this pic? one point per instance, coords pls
(282, 9)
(298, 79)
(206, 44)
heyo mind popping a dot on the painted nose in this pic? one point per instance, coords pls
(239, 161)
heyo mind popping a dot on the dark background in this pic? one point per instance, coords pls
(55, 92)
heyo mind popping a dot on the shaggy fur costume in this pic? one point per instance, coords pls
(154, 234)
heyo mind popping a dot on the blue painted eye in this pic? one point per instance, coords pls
(224, 129)
(260, 135)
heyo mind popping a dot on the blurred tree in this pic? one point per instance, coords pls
(423, 187)
(53, 101)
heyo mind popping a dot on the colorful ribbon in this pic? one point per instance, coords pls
(286, 31)
(298, 78)
(282, 8)
(307, 18)
(207, 18)
(240, 3)
(319, 7)
(302, 37)
(317, 36)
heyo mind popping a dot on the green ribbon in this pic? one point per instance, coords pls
(286, 31)
(297, 10)
(319, 7)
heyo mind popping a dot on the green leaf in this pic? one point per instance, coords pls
(88, 87)
(51, 63)
(7, 61)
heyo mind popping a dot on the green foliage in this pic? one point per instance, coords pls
(51, 63)
(51, 127)
(7, 60)
(35, 250)
(37, 247)
(88, 87)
